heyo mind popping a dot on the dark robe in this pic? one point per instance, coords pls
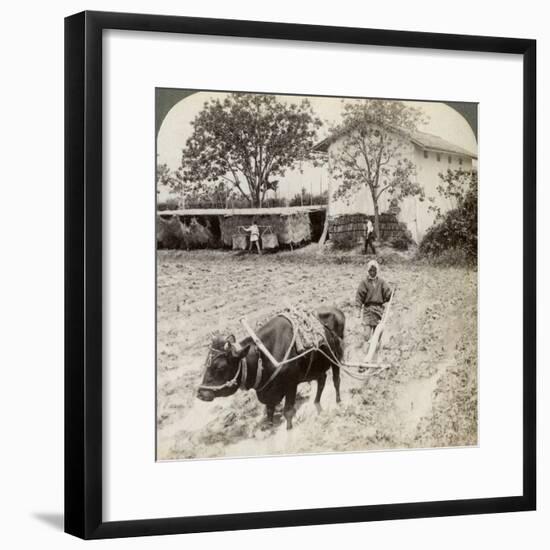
(372, 294)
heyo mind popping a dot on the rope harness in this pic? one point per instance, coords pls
(332, 358)
(242, 369)
(214, 354)
(259, 373)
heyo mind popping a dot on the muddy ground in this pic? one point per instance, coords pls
(428, 399)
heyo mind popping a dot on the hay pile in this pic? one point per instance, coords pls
(197, 235)
(298, 229)
(290, 229)
(270, 241)
(173, 233)
(239, 242)
(169, 232)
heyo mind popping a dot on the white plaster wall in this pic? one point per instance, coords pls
(428, 170)
(359, 202)
(415, 212)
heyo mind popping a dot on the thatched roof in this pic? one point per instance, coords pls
(277, 211)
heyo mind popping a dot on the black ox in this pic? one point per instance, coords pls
(231, 365)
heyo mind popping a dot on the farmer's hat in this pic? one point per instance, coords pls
(373, 263)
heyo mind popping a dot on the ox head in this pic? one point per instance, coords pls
(222, 370)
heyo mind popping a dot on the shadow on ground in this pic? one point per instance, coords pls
(52, 519)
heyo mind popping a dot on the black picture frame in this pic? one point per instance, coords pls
(84, 264)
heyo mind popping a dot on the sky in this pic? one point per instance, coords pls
(442, 121)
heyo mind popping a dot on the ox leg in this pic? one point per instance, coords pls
(336, 381)
(270, 410)
(289, 410)
(320, 387)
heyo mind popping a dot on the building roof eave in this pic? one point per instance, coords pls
(323, 146)
(461, 152)
(422, 140)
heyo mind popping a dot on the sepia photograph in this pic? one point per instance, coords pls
(317, 274)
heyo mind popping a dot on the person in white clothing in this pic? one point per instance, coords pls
(369, 238)
(254, 231)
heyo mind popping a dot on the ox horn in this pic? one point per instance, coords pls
(237, 348)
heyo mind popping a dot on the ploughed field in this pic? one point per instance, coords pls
(428, 399)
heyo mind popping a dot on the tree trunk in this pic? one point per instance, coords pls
(376, 219)
(376, 211)
(324, 235)
(258, 195)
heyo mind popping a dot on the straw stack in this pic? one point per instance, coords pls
(298, 229)
(239, 242)
(173, 233)
(198, 235)
(270, 241)
(169, 232)
(292, 228)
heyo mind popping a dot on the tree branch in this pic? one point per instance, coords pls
(236, 182)
(381, 191)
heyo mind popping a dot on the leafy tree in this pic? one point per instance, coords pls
(456, 186)
(164, 176)
(216, 195)
(305, 198)
(456, 230)
(168, 204)
(248, 142)
(193, 195)
(372, 152)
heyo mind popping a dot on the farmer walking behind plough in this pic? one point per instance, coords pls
(373, 292)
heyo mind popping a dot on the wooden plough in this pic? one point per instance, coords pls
(374, 345)
(375, 341)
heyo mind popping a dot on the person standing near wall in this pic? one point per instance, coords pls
(369, 238)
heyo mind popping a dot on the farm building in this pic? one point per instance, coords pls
(431, 155)
(201, 228)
